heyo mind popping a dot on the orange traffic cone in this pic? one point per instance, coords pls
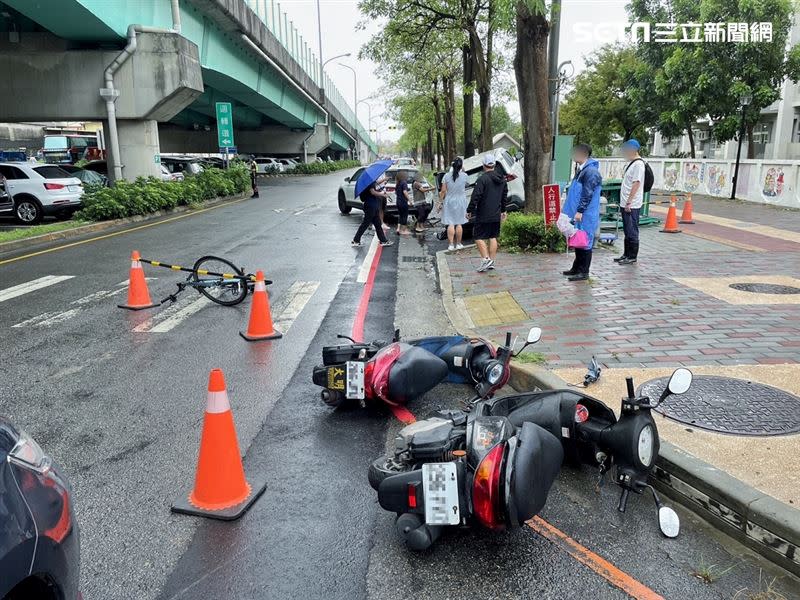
(686, 215)
(138, 295)
(671, 226)
(220, 488)
(260, 326)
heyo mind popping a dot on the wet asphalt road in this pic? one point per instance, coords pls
(121, 410)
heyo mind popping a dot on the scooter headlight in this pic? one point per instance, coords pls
(494, 372)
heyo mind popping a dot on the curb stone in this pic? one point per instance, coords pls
(748, 515)
(757, 520)
(67, 234)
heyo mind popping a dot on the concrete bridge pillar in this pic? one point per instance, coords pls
(138, 148)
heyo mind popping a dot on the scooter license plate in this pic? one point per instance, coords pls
(440, 491)
(355, 380)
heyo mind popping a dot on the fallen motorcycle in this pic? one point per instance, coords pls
(400, 371)
(494, 465)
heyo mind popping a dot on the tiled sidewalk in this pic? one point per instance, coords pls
(640, 315)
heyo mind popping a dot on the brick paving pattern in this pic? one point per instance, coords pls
(639, 315)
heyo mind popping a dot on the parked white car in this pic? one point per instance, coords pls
(288, 163)
(269, 165)
(40, 190)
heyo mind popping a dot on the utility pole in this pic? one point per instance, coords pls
(552, 77)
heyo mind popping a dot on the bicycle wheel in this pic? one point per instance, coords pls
(224, 291)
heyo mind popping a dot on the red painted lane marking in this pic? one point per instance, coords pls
(596, 563)
(401, 413)
(357, 332)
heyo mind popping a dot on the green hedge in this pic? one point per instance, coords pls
(522, 232)
(148, 195)
(319, 168)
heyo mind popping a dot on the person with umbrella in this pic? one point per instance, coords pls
(371, 196)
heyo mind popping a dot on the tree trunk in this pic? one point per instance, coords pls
(469, 102)
(437, 111)
(430, 148)
(449, 119)
(531, 69)
(483, 83)
(690, 134)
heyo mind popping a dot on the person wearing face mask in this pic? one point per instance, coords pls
(583, 207)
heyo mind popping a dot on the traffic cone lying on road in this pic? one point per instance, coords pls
(260, 325)
(671, 226)
(220, 488)
(138, 295)
(686, 215)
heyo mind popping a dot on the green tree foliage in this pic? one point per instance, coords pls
(602, 105)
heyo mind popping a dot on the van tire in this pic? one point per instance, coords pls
(343, 208)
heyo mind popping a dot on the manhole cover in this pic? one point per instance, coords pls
(728, 405)
(765, 288)
(415, 258)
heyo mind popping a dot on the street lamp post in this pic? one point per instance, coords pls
(744, 101)
(561, 74)
(355, 103)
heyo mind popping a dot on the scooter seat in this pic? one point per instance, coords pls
(537, 462)
(415, 372)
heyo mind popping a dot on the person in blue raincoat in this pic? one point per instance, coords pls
(583, 207)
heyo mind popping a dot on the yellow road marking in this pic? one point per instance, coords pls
(116, 233)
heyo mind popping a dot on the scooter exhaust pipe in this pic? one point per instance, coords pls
(415, 533)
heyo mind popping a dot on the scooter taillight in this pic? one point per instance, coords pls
(379, 368)
(486, 501)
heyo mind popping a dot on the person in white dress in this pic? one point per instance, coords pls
(453, 203)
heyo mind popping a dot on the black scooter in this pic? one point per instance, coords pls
(400, 371)
(495, 464)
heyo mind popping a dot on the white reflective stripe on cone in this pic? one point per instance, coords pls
(260, 286)
(218, 402)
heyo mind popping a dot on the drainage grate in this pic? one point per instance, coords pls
(415, 258)
(765, 288)
(729, 405)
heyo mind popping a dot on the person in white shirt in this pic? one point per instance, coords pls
(631, 197)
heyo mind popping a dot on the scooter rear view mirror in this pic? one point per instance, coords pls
(679, 383)
(534, 335)
(668, 522)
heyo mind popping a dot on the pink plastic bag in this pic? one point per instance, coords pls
(579, 239)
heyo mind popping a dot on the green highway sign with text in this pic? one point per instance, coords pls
(225, 124)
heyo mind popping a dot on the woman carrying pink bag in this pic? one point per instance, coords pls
(583, 207)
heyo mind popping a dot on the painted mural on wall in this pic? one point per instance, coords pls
(692, 176)
(671, 172)
(614, 169)
(716, 179)
(774, 179)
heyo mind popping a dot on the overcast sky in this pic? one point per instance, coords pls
(586, 25)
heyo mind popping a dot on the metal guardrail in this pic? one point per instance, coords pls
(279, 24)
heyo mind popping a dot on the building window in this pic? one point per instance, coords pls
(796, 128)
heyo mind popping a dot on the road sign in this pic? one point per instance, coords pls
(552, 203)
(228, 150)
(224, 124)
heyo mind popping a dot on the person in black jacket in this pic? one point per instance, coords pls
(488, 205)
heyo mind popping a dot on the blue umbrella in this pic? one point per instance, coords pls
(371, 174)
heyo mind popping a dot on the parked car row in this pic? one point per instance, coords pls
(31, 191)
(267, 164)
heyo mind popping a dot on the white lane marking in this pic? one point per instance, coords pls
(363, 272)
(174, 320)
(146, 279)
(304, 209)
(31, 286)
(48, 319)
(298, 295)
(97, 296)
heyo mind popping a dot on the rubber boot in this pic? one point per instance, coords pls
(575, 266)
(584, 261)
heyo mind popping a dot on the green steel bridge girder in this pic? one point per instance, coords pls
(231, 71)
